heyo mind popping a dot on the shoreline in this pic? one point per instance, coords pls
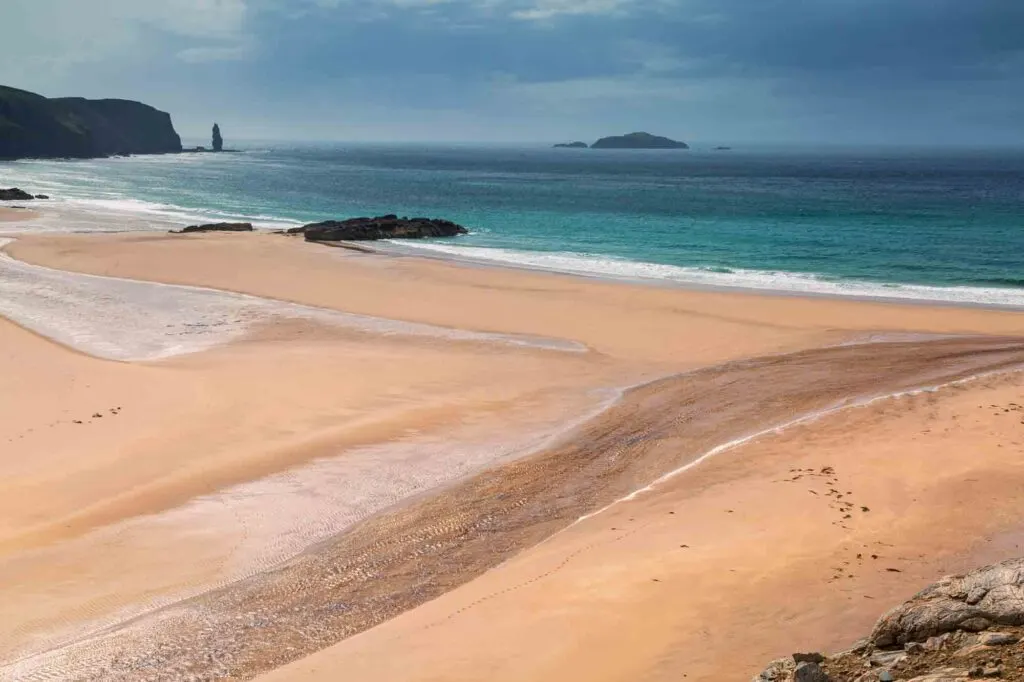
(408, 248)
(161, 216)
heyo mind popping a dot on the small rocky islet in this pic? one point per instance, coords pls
(963, 627)
(637, 140)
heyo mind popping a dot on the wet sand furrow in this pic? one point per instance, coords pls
(407, 556)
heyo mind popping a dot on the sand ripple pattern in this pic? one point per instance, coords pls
(395, 561)
(122, 319)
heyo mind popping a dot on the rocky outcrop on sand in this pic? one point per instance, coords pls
(33, 126)
(962, 627)
(15, 194)
(638, 141)
(215, 227)
(382, 227)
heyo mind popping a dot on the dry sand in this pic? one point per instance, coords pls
(104, 519)
(742, 560)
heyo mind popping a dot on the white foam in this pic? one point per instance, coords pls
(593, 265)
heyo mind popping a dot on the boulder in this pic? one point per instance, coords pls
(215, 227)
(15, 194)
(974, 602)
(42, 196)
(809, 672)
(779, 670)
(381, 227)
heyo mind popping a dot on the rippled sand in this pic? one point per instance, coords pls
(335, 438)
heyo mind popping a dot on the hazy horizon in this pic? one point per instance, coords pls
(915, 73)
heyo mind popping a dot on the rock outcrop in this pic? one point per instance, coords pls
(15, 194)
(638, 141)
(382, 227)
(217, 141)
(215, 227)
(990, 596)
(962, 627)
(572, 145)
(32, 126)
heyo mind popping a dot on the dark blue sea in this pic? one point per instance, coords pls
(945, 226)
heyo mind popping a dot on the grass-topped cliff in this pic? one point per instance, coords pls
(33, 126)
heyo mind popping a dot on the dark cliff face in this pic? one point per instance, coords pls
(34, 126)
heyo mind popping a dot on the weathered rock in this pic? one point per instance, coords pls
(997, 638)
(42, 196)
(943, 675)
(15, 194)
(779, 670)
(971, 650)
(809, 672)
(887, 659)
(808, 658)
(870, 676)
(938, 642)
(216, 227)
(382, 227)
(997, 593)
(217, 141)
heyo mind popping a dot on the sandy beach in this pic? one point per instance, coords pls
(261, 452)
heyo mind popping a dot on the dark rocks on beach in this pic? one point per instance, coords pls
(382, 227)
(42, 196)
(215, 227)
(15, 194)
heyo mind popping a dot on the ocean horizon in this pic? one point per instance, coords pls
(938, 225)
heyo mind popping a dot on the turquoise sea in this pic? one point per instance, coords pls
(946, 226)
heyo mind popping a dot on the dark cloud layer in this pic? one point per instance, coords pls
(917, 71)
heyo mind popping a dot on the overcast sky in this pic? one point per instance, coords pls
(724, 71)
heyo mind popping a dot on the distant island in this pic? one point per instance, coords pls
(33, 126)
(630, 141)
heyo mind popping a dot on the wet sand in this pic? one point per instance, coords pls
(203, 469)
(13, 215)
(745, 559)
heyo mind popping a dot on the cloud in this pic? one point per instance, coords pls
(542, 10)
(858, 68)
(199, 55)
(42, 40)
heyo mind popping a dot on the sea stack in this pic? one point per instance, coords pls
(218, 141)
